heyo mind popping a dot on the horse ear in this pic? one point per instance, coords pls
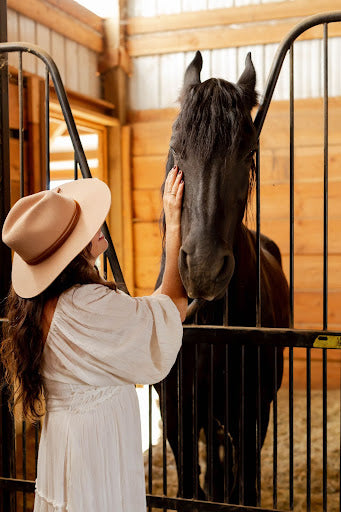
(247, 82)
(192, 74)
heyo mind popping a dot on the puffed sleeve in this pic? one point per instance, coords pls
(107, 337)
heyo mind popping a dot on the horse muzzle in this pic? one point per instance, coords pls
(206, 277)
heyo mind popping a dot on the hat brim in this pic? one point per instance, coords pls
(94, 199)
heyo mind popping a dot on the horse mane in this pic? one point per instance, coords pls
(213, 116)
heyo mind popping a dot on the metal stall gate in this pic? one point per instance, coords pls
(211, 336)
(254, 338)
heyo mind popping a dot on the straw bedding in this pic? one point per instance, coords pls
(300, 455)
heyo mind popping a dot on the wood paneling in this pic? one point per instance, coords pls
(274, 202)
(149, 171)
(80, 13)
(221, 37)
(128, 242)
(152, 138)
(233, 15)
(58, 21)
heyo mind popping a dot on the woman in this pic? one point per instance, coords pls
(85, 344)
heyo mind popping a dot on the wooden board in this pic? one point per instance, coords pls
(221, 37)
(128, 243)
(216, 17)
(151, 138)
(149, 171)
(275, 202)
(58, 21)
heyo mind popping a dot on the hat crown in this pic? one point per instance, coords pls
(37, 222)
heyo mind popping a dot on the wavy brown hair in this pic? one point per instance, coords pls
(23, 341)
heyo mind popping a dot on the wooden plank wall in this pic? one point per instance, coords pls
(77, 63)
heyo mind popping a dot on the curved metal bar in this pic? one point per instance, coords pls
(311, 21)
(72, 129)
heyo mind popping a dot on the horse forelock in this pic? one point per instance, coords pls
(212, 118)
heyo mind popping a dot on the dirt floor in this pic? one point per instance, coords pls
(300, 456)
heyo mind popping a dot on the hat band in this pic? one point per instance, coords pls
(59, 242)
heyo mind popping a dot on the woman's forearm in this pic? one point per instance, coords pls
(171, 283)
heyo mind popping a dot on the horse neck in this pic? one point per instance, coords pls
(243, 285)
(244, 250)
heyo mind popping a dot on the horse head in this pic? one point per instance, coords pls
(213, 142)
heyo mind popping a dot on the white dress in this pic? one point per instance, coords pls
(100, 344)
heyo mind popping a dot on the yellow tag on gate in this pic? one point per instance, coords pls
(324, 341)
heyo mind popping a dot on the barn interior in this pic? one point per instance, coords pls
(123, 73)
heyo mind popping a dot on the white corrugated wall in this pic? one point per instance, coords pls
(76, 63)
(156, 80)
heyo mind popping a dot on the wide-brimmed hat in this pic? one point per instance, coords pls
(47, 230)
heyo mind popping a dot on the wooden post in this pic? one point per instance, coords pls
(128, 242)
(36, 138)
(113, 67)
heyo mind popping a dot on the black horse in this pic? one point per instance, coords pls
(213, 142)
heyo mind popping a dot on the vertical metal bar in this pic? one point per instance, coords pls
(325, 259)
(308, 429)
(164, 436)
(258, 324)
(292, 204)
(180, 425)
(5, 190)
(105, 266)
(75, 171)
(340, 447)
(242, 430)
(150, 451)
(226, 309)
(291, 428)
(195, 423)
(21, 126)
(274, 406)
(259, 430)
(226, 419)
(7, 432)
(47, 126)
(23, 437)
(258, 262)
(226, 431)
(210, 426)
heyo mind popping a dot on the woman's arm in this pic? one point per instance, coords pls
(171, 284)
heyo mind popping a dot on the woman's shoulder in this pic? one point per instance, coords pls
(83, 295)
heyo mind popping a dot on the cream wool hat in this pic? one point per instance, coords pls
(48, 229)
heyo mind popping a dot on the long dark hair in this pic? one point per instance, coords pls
(23, 342)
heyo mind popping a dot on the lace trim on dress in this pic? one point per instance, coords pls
(57, 507)
(76, 399)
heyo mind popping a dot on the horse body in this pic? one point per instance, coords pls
(218, 253)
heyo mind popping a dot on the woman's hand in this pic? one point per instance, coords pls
(172, 198)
